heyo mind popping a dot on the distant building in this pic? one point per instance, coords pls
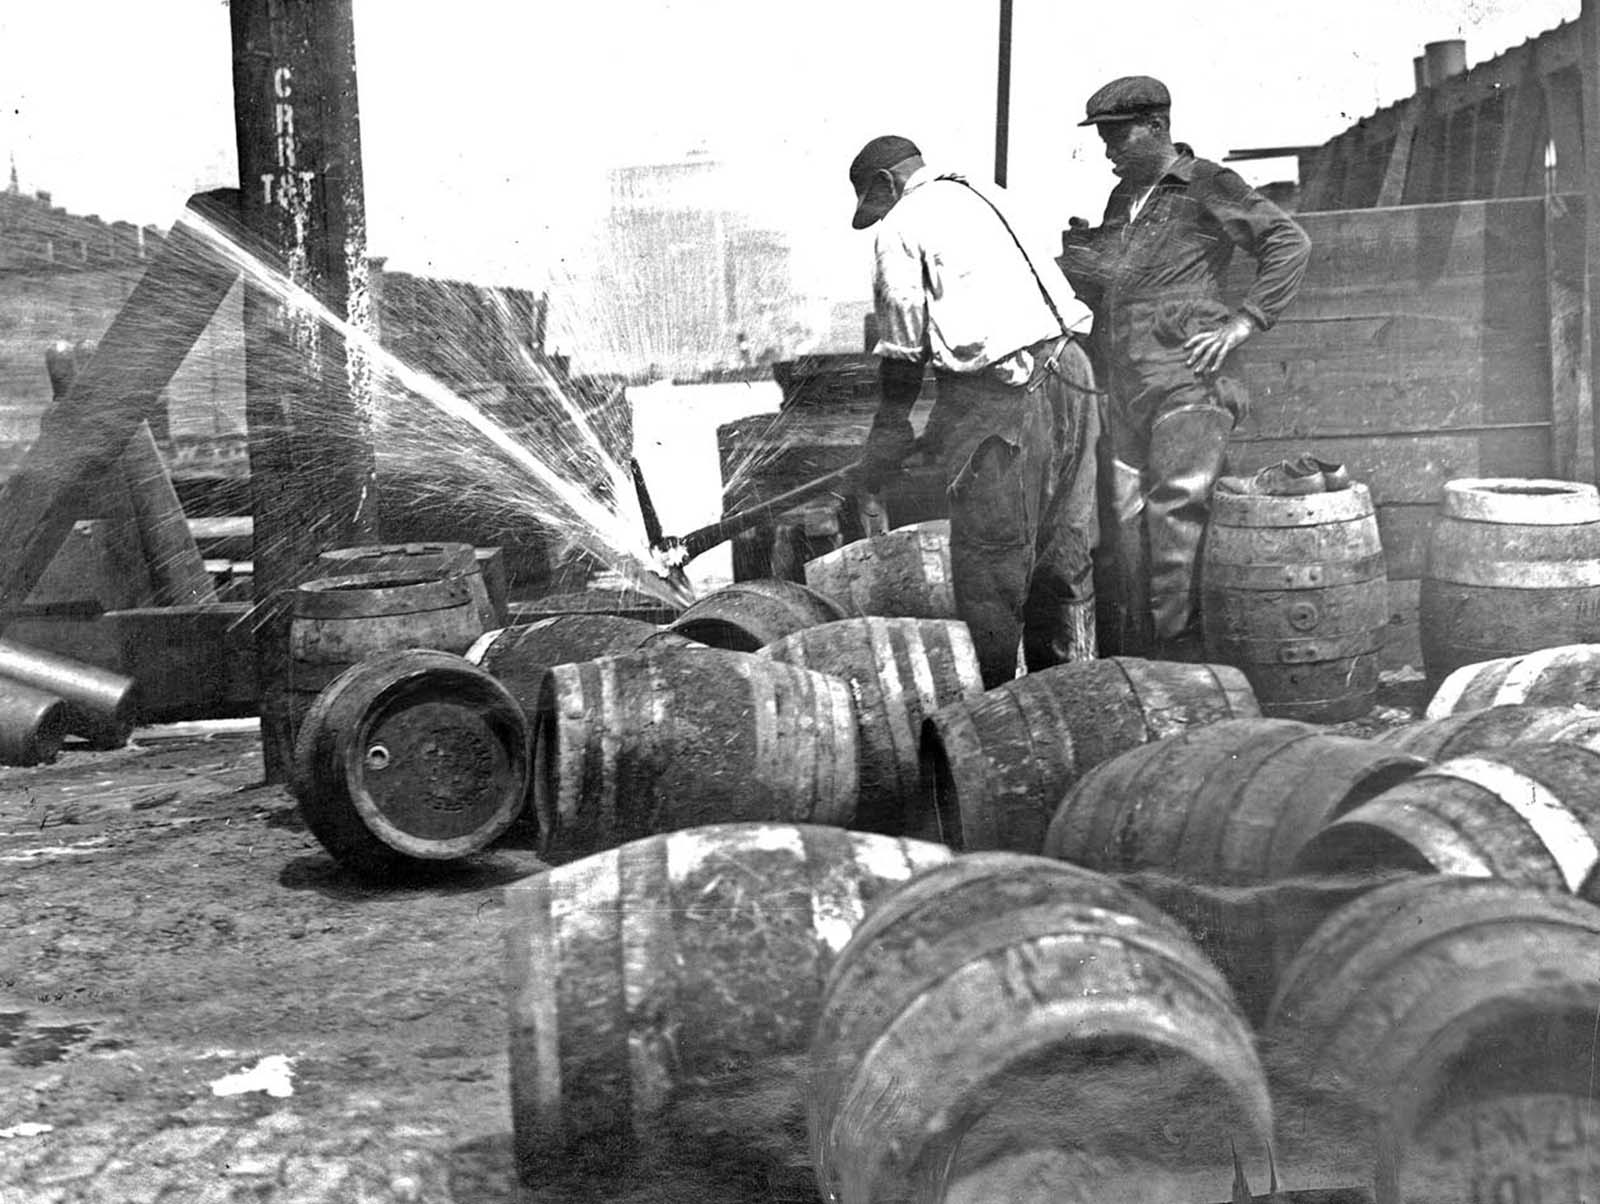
(684, 273)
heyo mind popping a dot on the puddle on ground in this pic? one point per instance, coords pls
(39, 1044)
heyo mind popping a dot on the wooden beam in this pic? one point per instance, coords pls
(82, 437)
(307, 402)
(1589, 69)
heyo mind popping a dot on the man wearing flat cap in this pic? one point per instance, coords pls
(1164, 338)
(959, 285)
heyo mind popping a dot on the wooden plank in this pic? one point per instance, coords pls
(1394, 174)
(1404, 529)
(1572, 435)
(1589, 22)
(1411, 469)
(1402, 639)
(1382, 375)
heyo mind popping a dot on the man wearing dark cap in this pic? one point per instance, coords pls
(1152, 272)
(958, 284)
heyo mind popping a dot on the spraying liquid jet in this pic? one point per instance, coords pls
(443, 443)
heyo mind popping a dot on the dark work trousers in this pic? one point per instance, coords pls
(1020, 463)
(1167, 441)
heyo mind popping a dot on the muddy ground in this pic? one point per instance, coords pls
(171, 926)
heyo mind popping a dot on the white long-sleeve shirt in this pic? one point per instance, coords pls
(950, 281)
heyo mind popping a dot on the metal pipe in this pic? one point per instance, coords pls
(32, 724)
(101, 704)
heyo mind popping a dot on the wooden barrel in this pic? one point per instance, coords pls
(899, 574)
(1527, 813)
(624, 604)
(1568, 675)
(1513, 566)
(1295, 593)
(1469, 732)
(1436, 1005)
(102, 706)
(898, 670)
(995, 767)
(421, 559)
(1005, 999)
(518, 656)
(340, 621)
(1230, 803)
(408, 756)
(683, 965)
(751, 614)
(33, 724)
(652, 741)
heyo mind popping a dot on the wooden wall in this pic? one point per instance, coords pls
(1428, 342)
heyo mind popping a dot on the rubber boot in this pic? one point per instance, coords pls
(1187, 448)
(1128, 608)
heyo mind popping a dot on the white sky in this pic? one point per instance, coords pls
(488, 124)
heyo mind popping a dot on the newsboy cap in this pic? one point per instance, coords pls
(1126, 99)
(882, 153)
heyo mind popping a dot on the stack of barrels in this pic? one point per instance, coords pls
(819, 897)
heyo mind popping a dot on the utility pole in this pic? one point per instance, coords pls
(308, 396)
(1002, 104)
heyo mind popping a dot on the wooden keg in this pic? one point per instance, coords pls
(899, 574)
(518, 656)
(1232, 802)
(751, 614)
(1006, 1001)
(1469, 732)
(1525, 813)
(1295, 593)
(102, 705)
(1453, 1019)
(340, 621)
(623, 603)
(651, 741)
(1513, 566)
(33, 724)
(995, 767)
(411, 755)
(1567, 675)
(898, 670)
(423, 560)
(681, 967)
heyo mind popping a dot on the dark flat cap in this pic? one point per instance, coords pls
(882, 153)
(1126, 99)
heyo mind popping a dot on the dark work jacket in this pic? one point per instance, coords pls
(1157, 280)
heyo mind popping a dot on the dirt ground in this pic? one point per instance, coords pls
(198, 1005)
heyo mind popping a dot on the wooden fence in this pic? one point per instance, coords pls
(1428, 342)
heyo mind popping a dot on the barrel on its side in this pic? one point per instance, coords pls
(1513, 566)
(995, 767)
(102, 706)
(1567, 675)
(518, 656)
(340, 621)
(647, 742)
(1454, 1018)
(751, 614)
(1527, 813)
(1231, 803)
(1295, 593)
(1469, 732)
(33, 724)
(899, 670)
(686, 965)
(421, 559)
(1005, 1001)
(409, 756)
(899, 574)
